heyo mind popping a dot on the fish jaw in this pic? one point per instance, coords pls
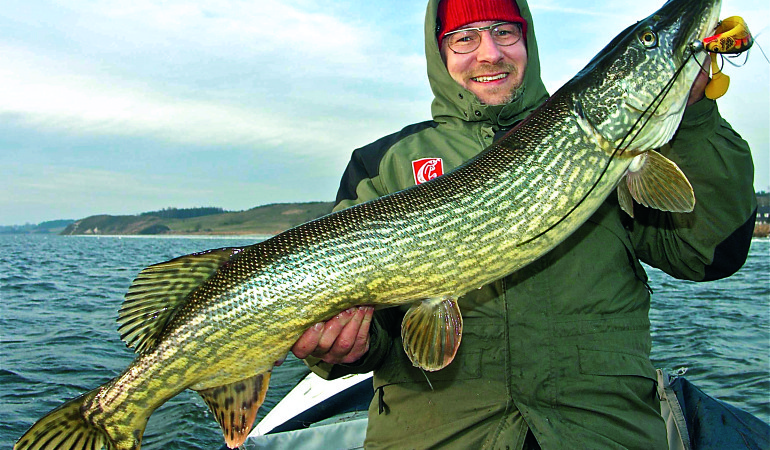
(635, 91)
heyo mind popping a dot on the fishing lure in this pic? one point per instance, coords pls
(732, 37)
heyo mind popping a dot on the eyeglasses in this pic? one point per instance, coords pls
(467, 40)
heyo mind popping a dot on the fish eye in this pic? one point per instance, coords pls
(648, 38)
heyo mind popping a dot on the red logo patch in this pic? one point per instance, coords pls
(427, 169)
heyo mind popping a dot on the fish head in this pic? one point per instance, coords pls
(633, 93)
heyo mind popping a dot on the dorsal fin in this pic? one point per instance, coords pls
(235, 406)
(159, 290)
(431, 332)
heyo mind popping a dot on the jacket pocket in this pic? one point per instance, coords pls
(614, 363)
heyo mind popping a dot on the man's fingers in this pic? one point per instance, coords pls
(697, 92)
(348, 340)
(332, 330)
(342, 339)
(308, 342)
(361, 343)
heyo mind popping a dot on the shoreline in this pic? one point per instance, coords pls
(171, 236)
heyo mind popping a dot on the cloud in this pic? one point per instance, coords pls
(607, 10)
(82, 104)
(254, 101)
(281, 36)
(211, 72)
(139, 97)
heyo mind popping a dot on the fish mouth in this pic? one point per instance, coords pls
(653, 84)
(702, 26)
(703, 16)
(689, 22)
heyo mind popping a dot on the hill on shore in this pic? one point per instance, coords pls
(262, 220)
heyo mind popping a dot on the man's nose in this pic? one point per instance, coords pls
(488, 50)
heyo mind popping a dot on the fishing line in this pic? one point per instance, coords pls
(427, 379)
(746, 57)
(727, 60)
(756, 44)
(646, 116)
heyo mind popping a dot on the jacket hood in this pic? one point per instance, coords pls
(453, 100)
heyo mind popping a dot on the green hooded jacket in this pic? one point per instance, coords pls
(560, 348)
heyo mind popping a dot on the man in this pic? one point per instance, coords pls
(555, 355)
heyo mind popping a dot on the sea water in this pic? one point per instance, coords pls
(59, 298)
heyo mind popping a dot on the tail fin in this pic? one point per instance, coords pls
(67, 428)
(64, 427)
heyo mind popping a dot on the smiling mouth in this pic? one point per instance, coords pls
(488, 79)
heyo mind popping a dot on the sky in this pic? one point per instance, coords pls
(116, 107)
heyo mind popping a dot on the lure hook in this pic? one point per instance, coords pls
(732, 36)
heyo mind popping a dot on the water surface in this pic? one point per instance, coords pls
(59, 297)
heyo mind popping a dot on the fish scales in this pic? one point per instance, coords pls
(232, 314)
(300, 250)
(362, 234)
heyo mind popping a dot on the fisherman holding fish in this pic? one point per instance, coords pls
(526, 245)
(555, 355)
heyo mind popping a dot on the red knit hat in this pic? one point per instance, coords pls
(452, 14)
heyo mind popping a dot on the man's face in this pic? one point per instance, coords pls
(492, 72)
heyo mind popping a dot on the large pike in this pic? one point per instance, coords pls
(217, 321)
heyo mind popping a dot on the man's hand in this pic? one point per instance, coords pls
(342, 339)
(698, 90)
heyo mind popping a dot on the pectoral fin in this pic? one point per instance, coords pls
(657, 182)
(624, 197)
(235, 406)
(431, 331)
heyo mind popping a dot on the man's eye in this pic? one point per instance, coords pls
(464, 38)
